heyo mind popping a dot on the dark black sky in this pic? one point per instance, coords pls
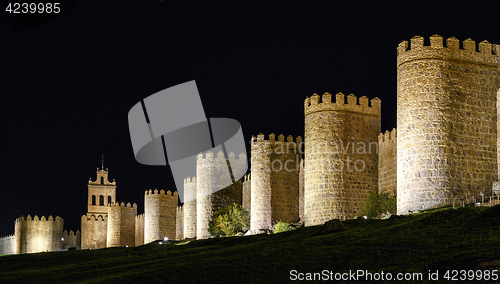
(67, 84)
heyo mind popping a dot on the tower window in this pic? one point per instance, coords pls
(93, 199)
(102, 180)
(101, 200)
(109, 199)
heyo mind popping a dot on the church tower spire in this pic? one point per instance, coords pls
(101, 192)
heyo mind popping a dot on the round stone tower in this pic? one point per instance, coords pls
(341, 155)
(216, 186)
(38, 234)
(190, 208)
(275, 167)
(160, 211)
(446, 121)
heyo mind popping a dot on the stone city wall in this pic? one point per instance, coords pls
(160, 215)
(275, 181)
(341, 155)
(94, 231)
(387, 162)
(189, 208)
(38, 234)
(179, 223)
(121, 224)
(212, 174)
(446, 119)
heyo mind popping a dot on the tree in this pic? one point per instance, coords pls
(229, 221)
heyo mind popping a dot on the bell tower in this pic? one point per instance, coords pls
(101, 192)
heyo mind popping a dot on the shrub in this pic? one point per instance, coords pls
(281, 227)
(388, 204)
(229, 221)
(377, 205)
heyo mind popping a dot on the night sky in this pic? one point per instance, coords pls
(67, 83)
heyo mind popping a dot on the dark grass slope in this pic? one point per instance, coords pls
(439, 239)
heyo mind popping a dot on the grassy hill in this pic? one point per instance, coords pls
(442, 239)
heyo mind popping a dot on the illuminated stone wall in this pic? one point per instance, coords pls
(121, 224)
(159, 215)
(274, 181)
(94, 231)
(301, 190)
(387, 162)
(39, 234)
(341, 159)
(446, 121)
(190, 208)
(212, 174)
(139, 230)
(496, 184)
(246, 194)
(179, 223)
(71, 240)
(7, 245)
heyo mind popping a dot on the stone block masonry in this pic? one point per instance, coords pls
(7, 245)
(159, 215)
(301, 190)
(446, 121)
(71, 240)
(139, 230)
(387, 163)
(190, 208)
(496, 184)
(211, 175)
(94, 231)
(246, 194)
(447, 147)
(275, 166)
(179, 223)
(341, 155)
(38, 234)
(121, 224)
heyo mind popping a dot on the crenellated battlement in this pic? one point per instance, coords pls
(5, 238)
(161, 192)
(189, 180)
(387, 136)
(247, 177)
(118, 204)
(93, 217)
(37, 219)
(180, 208)
(318, 103)
(209, 155)
(484, 52)
(67, 234)
(272, 138)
